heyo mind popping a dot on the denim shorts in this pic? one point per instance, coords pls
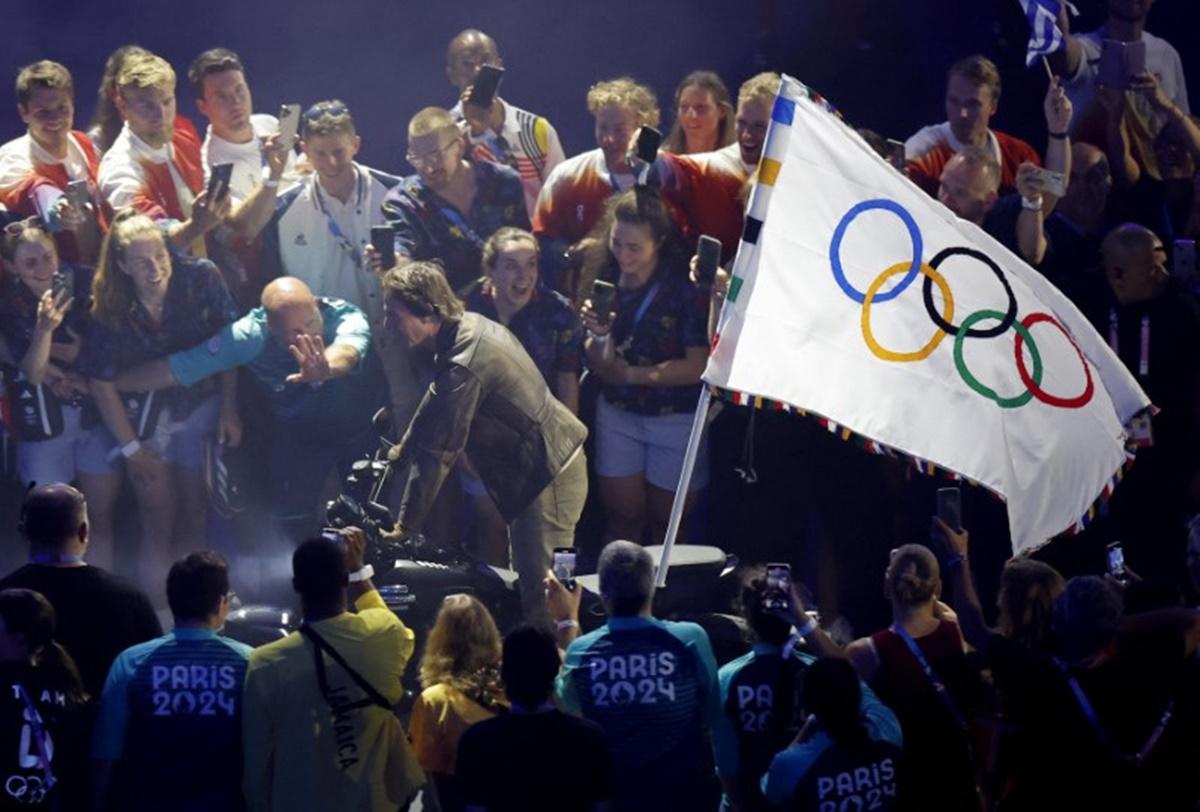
(652, 445)
(61, 459)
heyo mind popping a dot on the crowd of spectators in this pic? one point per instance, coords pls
(529, 325)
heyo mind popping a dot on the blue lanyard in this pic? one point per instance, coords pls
(40, 736)
(938, 685)
(1089, 713)
(55, 558)
(334, 229)
(647, 300)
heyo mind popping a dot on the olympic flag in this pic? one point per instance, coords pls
(857, 297)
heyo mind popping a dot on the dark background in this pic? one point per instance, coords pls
(882, 62)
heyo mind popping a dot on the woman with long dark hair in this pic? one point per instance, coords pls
(43, 318)
(704, 119)
(648, 351)
(43, 742)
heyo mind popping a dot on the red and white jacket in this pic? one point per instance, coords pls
(161, 183)
(32, 181)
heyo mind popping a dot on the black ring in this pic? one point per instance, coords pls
(927, 294)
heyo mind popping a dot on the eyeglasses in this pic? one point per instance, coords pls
(429, 159)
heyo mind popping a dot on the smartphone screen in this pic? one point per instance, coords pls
(289, 122)
(1051, 182)
(64, 280)
(949, 507)
(218, 182)
(564, 566)
(708, 253)
(1116, 560)
(779, 586)
(604, 295)
(487, 82)
(383, 238)
(648, 142)
(1183, 261)
(79, 194)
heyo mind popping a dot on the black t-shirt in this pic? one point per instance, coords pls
(98, 614)
(35, 720)
(1062, 762)
(534, 761)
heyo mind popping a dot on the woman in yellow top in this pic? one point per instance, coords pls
(460, 675)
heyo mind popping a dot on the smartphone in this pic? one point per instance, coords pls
(564, 566)
(779, 587)
(895, 154)
(1120, 61)
(949, 507)
(1116, 560)
(1183, 261)
(648, 142)
(1051, 182)
(218, 181)
(79, 195)
(64, 280)
(383, 238)
(289, 123)
(487, 82)
(332, 534)
(708, 257)
(604, 296)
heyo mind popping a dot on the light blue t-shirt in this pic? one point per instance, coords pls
(247, 342)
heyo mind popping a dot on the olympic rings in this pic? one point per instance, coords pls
(835, 249)
(878, 349)
(961, 365)
(1009, 316)
(944, 321)
(1034, 386)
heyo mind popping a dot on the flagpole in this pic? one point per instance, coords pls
(685, 479)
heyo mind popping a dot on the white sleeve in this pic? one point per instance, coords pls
(120, 181)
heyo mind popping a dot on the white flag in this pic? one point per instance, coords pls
(857, 297)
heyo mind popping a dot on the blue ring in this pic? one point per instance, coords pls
(835, 248)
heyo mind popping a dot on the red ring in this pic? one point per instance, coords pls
(1027, 379)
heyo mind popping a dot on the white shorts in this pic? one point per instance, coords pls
(628, 443)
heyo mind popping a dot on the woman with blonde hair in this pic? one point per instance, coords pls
(147, 304)
(460, 675)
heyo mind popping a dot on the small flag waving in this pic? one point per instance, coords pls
(860, 299)
(1044, 34)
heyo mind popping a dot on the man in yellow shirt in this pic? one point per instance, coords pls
(318, 729)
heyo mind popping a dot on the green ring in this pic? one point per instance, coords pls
(973, 382)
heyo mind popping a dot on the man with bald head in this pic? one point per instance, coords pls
(451, 206)
(311, 355)
(970, 184)
(98, 614)
(1153, 324)
(501, 133)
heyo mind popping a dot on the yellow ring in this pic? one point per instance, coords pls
(879, 350)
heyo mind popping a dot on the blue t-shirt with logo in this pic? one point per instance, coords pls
(171, 715)
(652, 686)
(330, 406)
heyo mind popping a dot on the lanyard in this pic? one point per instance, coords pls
(647, 300)
(942, 692)
(1089, 713)
(334, 229)
(1114, 324)
(40, 736)
(55, 558)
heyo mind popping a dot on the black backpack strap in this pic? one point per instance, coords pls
(321, 644)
